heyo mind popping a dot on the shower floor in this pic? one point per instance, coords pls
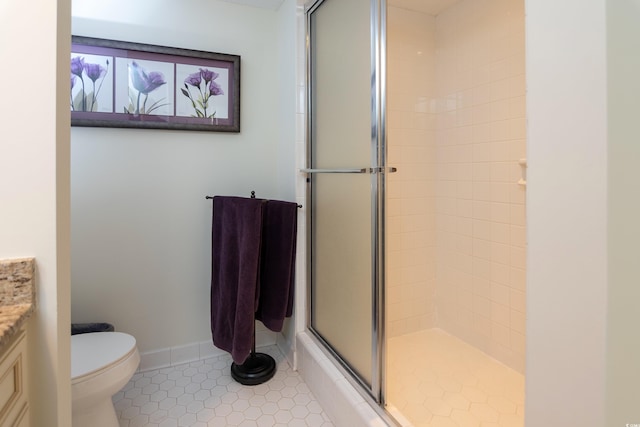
(437, 380)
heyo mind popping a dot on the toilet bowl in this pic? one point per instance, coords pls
(101, 364)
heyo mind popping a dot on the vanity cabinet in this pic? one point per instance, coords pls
(14, 408)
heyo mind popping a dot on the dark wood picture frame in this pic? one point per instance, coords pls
(135, 85)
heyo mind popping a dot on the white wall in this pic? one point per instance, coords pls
(623, 335)
(287, 97)
(140, 221)
(34, 187)
(288, 107)
(566, 214)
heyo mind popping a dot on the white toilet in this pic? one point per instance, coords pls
(101, 364)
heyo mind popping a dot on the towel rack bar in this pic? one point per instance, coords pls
(211, 197)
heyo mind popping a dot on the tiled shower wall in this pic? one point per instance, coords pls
(411, 267)
(456, 133)
(480, 216)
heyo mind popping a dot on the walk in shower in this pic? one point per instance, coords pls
(416, 186)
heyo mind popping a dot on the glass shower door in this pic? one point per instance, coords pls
(343, 180)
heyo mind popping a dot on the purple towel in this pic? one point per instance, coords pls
(236, 240)
(277, 263)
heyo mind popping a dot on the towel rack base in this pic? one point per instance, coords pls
(257, 369)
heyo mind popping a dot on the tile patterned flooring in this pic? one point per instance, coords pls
(203, 394)
(434, 380)
(437, 380)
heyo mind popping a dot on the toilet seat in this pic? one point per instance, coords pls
(96, 352)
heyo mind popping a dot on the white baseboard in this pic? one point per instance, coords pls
(171, 356)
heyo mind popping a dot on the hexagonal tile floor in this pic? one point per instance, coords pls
(203, 394)
(437, 380)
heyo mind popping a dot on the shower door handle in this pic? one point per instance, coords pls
(362, 170)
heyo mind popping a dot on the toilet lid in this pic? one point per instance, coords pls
(94, 351)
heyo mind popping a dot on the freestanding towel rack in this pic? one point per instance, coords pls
(258, 368)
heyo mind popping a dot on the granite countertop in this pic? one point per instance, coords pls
(17, 296)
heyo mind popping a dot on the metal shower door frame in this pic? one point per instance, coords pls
(378, 170)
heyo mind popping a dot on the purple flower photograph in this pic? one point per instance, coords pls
(91, 83)
(201, 92)
(148, 89)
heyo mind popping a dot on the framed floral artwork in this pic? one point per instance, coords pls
(134, 85)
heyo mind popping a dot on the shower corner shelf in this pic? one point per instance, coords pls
(523, 164)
